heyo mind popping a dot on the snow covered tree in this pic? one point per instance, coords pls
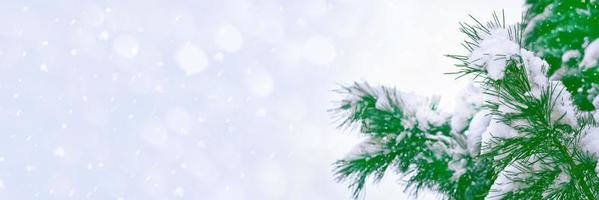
(526, 128)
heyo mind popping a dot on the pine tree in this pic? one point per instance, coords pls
(525, 129)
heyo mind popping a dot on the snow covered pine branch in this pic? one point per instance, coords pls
(515, 133)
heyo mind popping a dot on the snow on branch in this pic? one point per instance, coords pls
(526, 139)
(533, 120)
(404, 131)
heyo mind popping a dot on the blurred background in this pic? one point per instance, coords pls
(209, 99)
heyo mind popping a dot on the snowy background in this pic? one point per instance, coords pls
(210, 99)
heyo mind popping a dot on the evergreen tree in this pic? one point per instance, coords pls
(525, 129)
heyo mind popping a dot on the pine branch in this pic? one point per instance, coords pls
(557, 29)
(531, 146)
(406, 134)
(532, 114)
(359, 107)
(373, 163)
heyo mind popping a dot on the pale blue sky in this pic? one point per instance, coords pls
(205, 99)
